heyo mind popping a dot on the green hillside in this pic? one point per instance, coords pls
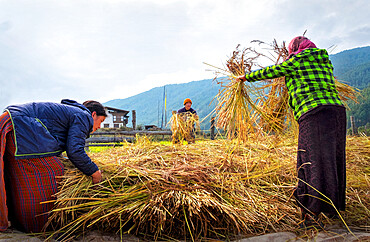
(350, 66)
(353, 66)
(360, 110)
(358, 76)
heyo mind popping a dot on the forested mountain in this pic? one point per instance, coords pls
(351, 66)
(360, 110)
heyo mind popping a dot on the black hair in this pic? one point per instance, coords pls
(95, 106)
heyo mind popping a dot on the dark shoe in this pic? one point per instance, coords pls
(311, 221)
(332, 216)
(310, 224)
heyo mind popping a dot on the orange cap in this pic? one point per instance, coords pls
(187, 101)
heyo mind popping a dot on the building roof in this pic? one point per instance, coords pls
(116, 110)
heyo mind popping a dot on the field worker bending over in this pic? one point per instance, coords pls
(321, 116)
(31, 137)
(187, 112)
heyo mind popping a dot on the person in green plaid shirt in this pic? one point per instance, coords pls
(322, 127)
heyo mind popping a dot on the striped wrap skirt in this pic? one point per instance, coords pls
(25, 184)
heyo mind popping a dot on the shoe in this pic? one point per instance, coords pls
(332, 216)
(310, 224)
(311, 221)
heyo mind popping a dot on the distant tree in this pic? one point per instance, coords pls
(353, 66)
(361, 110)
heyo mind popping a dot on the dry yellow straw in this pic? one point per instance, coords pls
(214, 189)
(182, 126)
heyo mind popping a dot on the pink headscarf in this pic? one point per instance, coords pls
(299, 44)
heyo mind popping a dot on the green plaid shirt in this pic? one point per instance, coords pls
(308, 77)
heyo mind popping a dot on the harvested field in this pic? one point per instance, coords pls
(211, 189)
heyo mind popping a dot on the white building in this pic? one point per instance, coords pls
(116, 118)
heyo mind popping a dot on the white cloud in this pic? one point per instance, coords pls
(113, 49)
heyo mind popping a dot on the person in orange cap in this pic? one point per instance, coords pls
(187, 107)
(186, 111)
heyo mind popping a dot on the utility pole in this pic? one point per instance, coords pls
(158, 115)
(165, 109)
(164, 97)
(354, 130)
(212, 128)
(134, 119)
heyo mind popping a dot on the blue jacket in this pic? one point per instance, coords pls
(44, 129)
(183, 110)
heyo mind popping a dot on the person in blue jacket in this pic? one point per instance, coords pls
(32, 135)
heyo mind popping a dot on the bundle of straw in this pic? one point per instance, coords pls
(278, 116)
(183, 126)
(346, 92)
(256, 109)
(236, 111)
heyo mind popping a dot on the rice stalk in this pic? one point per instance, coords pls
(236, 111)
(183, 126)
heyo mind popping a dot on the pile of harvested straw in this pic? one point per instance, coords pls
(183, 126)
(216, 189)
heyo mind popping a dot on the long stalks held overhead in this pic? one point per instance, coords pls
(278, 117)
(246, 109)
(237, 110)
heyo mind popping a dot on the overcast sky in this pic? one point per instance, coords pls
(108, 49)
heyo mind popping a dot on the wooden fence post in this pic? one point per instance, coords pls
(212, 128)
(354, 130)
(134, 119)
